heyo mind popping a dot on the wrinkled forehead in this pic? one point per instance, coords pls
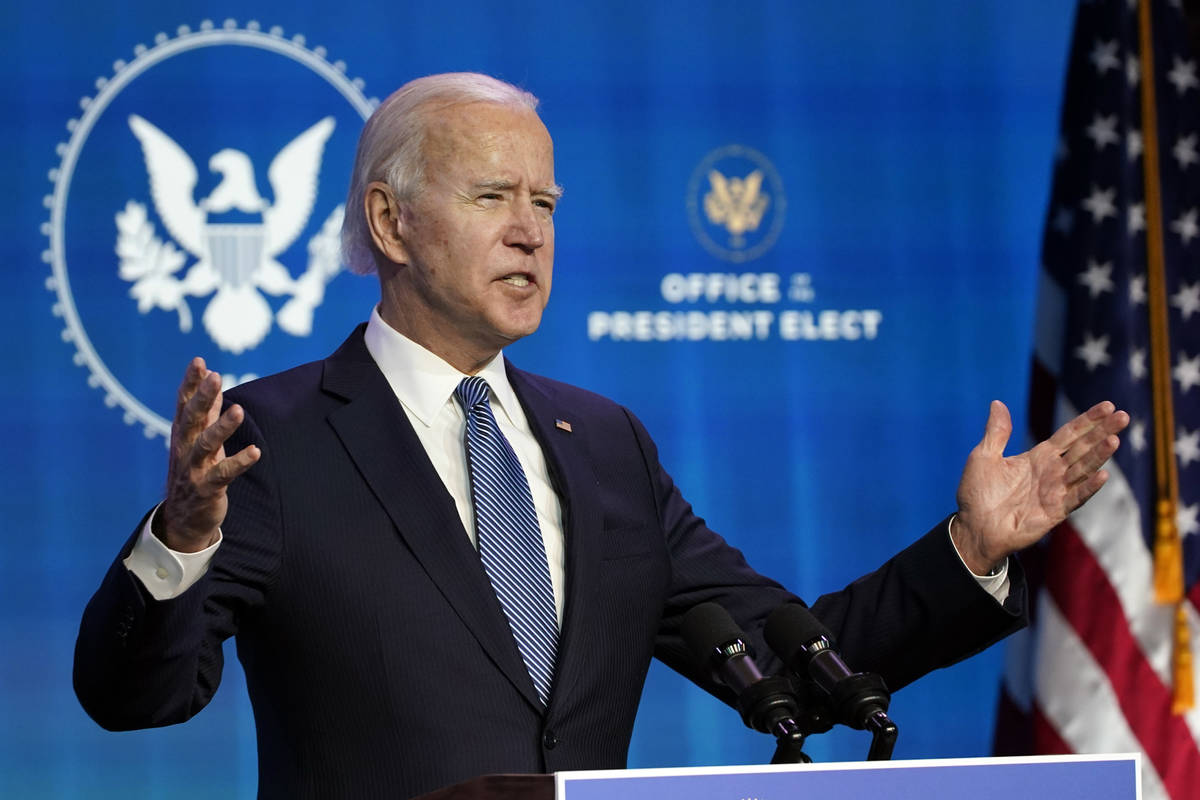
(487, 130)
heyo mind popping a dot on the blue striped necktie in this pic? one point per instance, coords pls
(507, 534)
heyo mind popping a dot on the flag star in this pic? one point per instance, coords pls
(1187, 446)
(1137, 364)
(1137, 435)
(1061, 150)
(1104, 56)
(1064, 221)
(1187, 372)
(1187, 225)
(1183, 75)
(1175, 4)
(1094, 352)
(1185, 151)
(1185, 519)
(1100, 203)
(1133, 145)
(1137, 290)
(1187, 299)
(1133, 70)
(1135, 218)
(1097, 278)
(1103, 131)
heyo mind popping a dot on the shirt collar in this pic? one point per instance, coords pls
(423, 382)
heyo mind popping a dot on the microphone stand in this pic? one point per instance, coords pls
(788, 746)
(862, 700)
(883, 737)
(769, 706)
(857, 699)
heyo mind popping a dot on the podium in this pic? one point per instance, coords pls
(1095, 777)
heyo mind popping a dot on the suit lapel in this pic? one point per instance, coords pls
(569, 462)
(375, 431)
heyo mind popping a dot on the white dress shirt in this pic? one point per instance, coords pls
(424, 384)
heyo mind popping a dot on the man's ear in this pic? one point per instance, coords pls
(385, 220)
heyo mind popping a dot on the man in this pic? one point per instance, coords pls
(330, 516)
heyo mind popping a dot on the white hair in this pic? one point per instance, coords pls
(391, 146)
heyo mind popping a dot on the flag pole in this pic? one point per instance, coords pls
(1168, 548)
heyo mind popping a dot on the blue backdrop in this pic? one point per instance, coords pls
(800, 240)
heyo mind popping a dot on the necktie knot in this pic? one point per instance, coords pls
(471, 392)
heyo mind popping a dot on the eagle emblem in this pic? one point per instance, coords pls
(234, 235)
(738, 204)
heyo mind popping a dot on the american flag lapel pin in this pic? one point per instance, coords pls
(562, 425)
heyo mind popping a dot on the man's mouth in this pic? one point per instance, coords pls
(517, 279)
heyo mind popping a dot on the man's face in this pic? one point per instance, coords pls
(479, 237)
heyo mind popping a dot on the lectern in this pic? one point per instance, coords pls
(1095, 777)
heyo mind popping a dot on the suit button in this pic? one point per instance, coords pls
(549, 740)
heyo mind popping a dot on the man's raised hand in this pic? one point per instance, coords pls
(1007, 504)
(198, 471)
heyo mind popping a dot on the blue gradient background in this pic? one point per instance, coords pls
(914, 141)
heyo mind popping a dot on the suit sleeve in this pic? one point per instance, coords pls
(918, 612)
(141, 662)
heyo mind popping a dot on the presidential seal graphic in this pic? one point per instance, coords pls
(736, 203)
(197, 211)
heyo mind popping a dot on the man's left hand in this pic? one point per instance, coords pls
(1007, 504)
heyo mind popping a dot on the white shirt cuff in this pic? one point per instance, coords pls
(995, 584)
(164, 572)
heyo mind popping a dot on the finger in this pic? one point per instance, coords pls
(1108, 426)
(1084, 444)
(997, 430)
(197, 410)
(1091, 461)
(1116, 422)
(1065, 436)
(223, 473)
(213, 437)
(192, 376)
(1080, 494)
(214, 408)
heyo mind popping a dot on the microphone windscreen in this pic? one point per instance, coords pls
(790, 628)
(707, 627)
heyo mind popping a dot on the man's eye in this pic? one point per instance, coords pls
(546, 204)
(490, 196)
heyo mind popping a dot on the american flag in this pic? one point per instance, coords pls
(1105, 666)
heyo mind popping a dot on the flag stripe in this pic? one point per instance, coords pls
(1111, 528)
(1046, 737)
(1078, 702)
(1088, 602)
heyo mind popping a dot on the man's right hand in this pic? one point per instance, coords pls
(198, 471)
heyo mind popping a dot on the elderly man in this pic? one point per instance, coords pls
(438, 565)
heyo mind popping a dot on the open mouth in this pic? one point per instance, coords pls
(517, 279)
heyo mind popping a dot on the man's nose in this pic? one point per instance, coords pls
(525, 230)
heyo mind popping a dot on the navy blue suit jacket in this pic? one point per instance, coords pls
(377, 658)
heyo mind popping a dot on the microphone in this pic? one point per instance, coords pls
(719, 646)
(860, 699)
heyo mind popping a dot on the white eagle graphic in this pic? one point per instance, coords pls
(236, 258)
